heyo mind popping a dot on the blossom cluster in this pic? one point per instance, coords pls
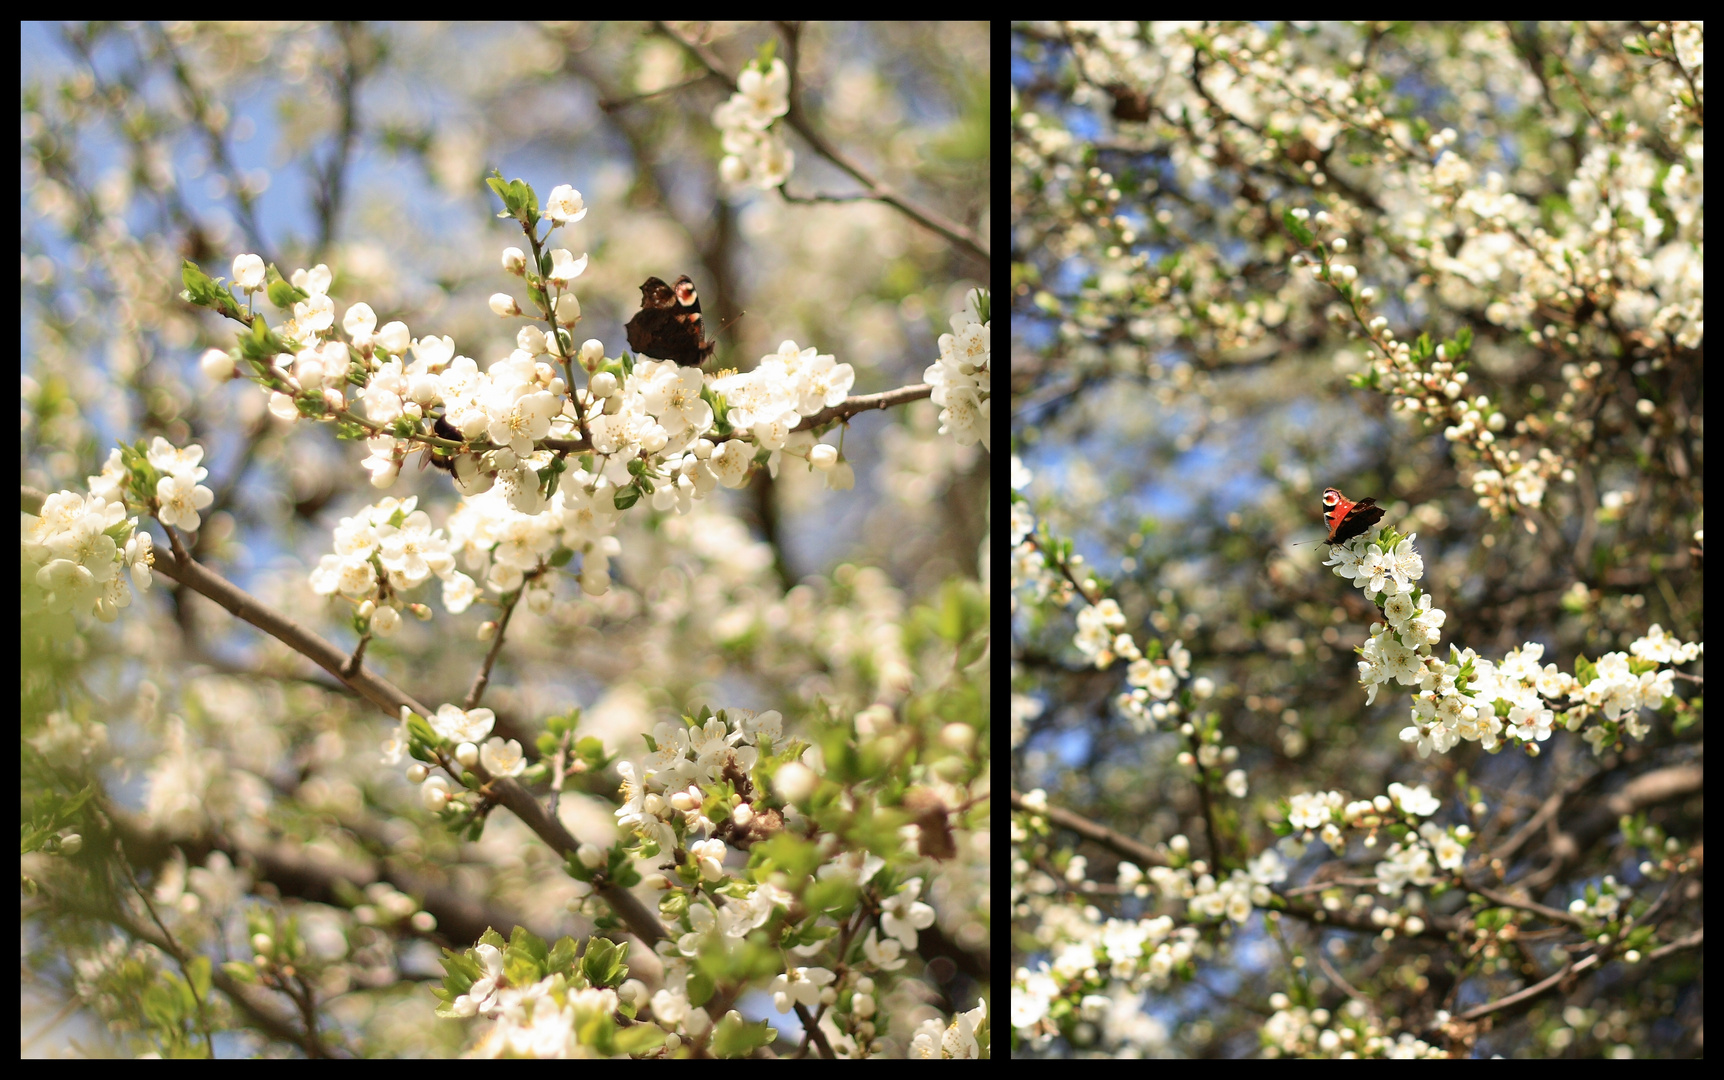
(1087, 951)
(382, 552)
(1030, 572)
(462, 733)
(650, 408)
(1429, 380)
(702, 793)
(77, 547)
(1297, 1031)
(962, 381)
(1100, 629)
(541, 1002)
(73, 561)
(754, 152)
(1150, 952)
(666, 808)
(1413, 859)
(513, 431)
(1473, 699)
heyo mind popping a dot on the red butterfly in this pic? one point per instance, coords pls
(1348, 519)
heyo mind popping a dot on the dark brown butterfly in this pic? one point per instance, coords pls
(668, 326)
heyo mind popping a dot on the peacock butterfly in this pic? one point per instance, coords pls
(668, 326)
(1348, 519)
